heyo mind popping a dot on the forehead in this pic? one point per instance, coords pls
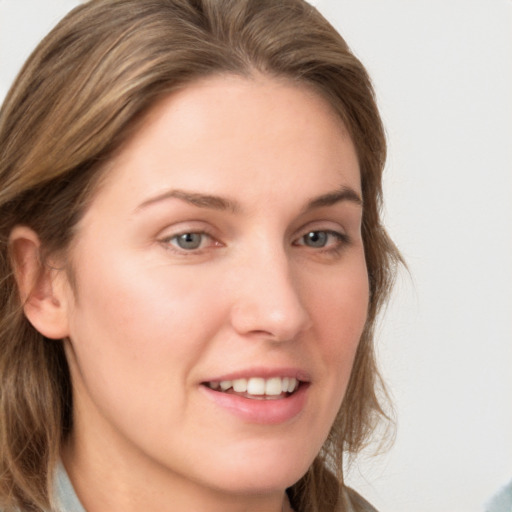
(233, 129)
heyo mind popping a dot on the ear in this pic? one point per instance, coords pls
(43, 289)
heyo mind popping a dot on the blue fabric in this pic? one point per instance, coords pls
(501, 502)
(65, 494)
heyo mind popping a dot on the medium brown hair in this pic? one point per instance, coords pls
(82, 94)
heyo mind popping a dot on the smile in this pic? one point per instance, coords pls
(257, 388)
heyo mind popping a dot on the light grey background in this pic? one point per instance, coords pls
(443, 75)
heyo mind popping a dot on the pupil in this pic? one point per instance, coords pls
(316, 239)
(189, 240)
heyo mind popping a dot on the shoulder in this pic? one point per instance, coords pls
(501, 502)
(351, 501)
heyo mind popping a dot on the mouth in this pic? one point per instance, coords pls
(261, 396)
(257, 388)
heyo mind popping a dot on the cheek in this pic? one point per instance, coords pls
(139, 327)
(141, 304)
(138, 333)
(339, 309)
(337, 302)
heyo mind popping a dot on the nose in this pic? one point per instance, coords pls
(268, 299)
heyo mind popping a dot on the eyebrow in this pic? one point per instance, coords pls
(332, 198)
(214, 202)
(196, 199)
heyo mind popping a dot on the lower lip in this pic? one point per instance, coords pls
(265, 412)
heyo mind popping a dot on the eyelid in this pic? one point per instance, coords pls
(327, 224)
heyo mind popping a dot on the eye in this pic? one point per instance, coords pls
(316, 239)
(189, 241)
(320, 239)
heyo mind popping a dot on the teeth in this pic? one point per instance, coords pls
(274, 386)
(226, 384)
(240, 385)
(292, 385)
(258, 386)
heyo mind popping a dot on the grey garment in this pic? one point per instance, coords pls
(66, 497)
(501, 502)
(67, 500)
(351, 501)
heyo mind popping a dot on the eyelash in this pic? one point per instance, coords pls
(331, 249)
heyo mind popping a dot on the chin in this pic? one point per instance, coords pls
(252, 482)
(269, 470)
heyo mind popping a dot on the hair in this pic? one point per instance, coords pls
(78, 98)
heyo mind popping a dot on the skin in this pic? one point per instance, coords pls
(150, 321)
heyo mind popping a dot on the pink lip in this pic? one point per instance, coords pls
(264, 412)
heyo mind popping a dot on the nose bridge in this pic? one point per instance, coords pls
(268, 299)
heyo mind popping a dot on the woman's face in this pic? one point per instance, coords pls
(218, 267)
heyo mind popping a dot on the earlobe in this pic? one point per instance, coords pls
(40, 286)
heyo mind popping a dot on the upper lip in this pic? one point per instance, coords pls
(263, 372)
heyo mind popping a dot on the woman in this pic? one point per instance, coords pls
(192, 261)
